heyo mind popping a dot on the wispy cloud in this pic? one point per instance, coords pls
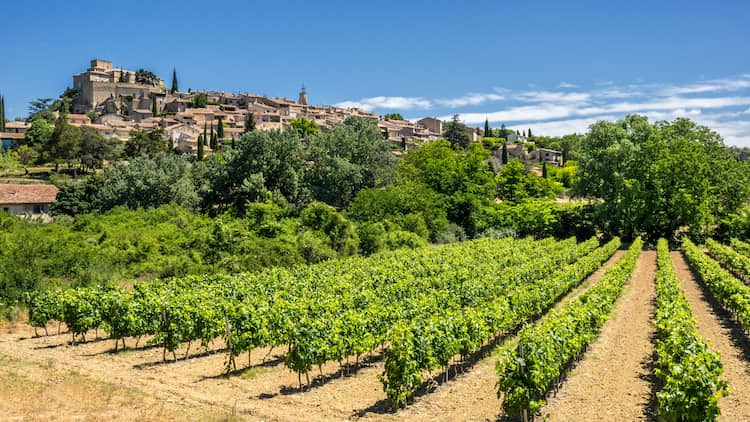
(469, 100)
(722, 104)
(553, 97)
(388, 103)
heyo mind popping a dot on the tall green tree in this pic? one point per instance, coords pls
(487, 130)
(393, 116)
(200, 147)
(2, 113)
(220, 129)
(544, 169)
(175, 87)
(249, 122)
(149, 143)
(504, 156)
(154, 107)
(457, 133)
(657, 179)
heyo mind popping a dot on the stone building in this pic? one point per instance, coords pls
(101, 82)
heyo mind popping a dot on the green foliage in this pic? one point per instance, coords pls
(349, 157)
(39, 134)
(515, 183)
(304, 127)
(546, 349)
(731, 292)
(175, 87)
(141, 183)
(199, 100)
(393, 116)
(334, 227)
(263, 165)
(457, 133)
(689, 372)
(656, 178)
(148, 143)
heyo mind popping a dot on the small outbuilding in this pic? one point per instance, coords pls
(22, 200)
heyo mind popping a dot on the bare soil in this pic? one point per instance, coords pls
(614, 381)
(725, 336)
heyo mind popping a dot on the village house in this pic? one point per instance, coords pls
(27, 200)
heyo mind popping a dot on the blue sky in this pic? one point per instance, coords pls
(549, 65)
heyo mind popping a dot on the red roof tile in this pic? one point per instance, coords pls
(12, 194)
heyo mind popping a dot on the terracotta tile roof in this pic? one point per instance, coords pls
(11, 194)
(10, 135)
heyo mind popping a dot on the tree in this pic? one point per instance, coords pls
(2, 113)
(487, 130)
(40, 108)
(263, 165)
(199, 100)
(95, 148)
(349, 157)
(544, 169)
(457, 133)
(529, 132)
(393, 116)
(146, 77)
(654, 179)
(38, 135)
(249, 122)
(212, 140)
(220, 129)
(26, 156)
(64, 144)
(200, 147)
(149, 143)
(141, 183)
(175, 87)
(504, 156)
(154, 108)
(304, 127)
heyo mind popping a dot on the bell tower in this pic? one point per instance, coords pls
(302, 96)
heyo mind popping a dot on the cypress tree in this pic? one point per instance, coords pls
(529, 132)
(200, 147)
(518, 132)
(205, 131)
(154, 110)
(249, 122)
(220, 129)
(503, 131)
(544, 169)
(214, 142)
(524, 133)
(504, 157)
(2, 113)
(233, 144)
(175, 88)
(487, 130)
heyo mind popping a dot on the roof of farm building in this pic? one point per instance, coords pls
(12, 194)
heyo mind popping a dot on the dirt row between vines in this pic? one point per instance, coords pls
(193, 389)
(725, 336)
(613, 381)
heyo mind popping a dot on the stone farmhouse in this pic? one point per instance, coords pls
(27, 200)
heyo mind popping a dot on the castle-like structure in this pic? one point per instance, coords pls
(111, 89)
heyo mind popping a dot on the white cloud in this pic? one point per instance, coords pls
(391, 103)
(469, 99)
(716, 85)
(567, 85)
(553, 97)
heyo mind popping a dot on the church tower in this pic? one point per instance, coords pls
(302, 96)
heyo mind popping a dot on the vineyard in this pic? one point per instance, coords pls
(471, 330)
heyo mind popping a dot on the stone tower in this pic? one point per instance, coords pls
(303, 96)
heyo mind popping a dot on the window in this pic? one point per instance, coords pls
(37, 209)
